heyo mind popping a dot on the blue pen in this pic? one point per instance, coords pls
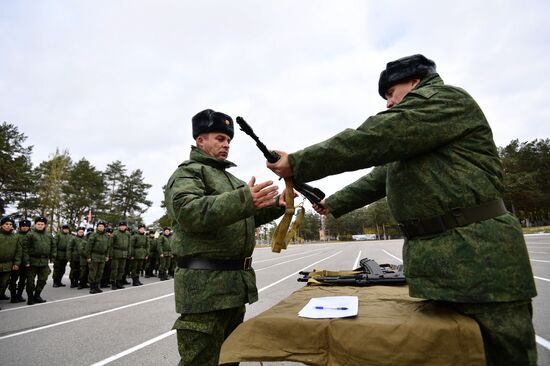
(324, 307)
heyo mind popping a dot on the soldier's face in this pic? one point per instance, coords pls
(24, 228)
(7, 226)
(39, 225)
(80, 233)
(66, 231)
(100, 228)
(215, 144)
(396, 93)
(141, 230)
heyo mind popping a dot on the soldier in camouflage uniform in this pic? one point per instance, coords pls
(62, 241)
(97, 252)
(438, 166)
(105, 281)
(73, 255)
(152, 254)
(214, 215)
(38, 249)
(18, 279)
(139, 243)
(165, 253)
(10, 252)
(118, 252)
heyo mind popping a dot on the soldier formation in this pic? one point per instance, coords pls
(97, 259)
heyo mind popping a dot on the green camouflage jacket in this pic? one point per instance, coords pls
(163, 245)
(213, 216)
(38, 248)
(434, 152)
(120, 244)
(97, 246)
(10, 250)
(21, 235)
(62, 242)
(139, 246)
(73, 251)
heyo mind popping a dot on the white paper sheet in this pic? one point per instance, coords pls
(330, 307)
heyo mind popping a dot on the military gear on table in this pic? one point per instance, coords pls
(434, 152)
(211, 121)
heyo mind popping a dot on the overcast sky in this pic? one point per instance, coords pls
(120, 80)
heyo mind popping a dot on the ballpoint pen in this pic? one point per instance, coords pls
(330, 308)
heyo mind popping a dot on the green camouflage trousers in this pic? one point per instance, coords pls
(200, 336)
(135, 267)
(507, 331)
(117, 269)
(41, 273)
(59, 267)
(165, 263)
(4, 278)
(95, 270)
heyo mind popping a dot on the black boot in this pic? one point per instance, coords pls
(135, 281)
(30, 300)
(125, 281)
(98, 288)
(81, 285)
(74, 283)
(114, 285)
(37, 297)
(14, 298)
(93, 289)
(120, 284)
(60, 284)
(4, 297)
(55, 283)
(139, 282)
(20, 296)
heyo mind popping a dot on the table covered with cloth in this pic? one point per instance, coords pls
(391, 328)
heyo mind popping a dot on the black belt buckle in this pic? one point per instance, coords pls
(247, 264)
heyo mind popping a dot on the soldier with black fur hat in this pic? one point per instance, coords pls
(438, 165)
(10, 252)
(18, 279)
(118, 252)
(73, 255)
(38, 250)
(152, 262)
(97, 252)
(139, 243)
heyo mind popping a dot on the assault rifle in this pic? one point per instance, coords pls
(370, 273)
(314, 195)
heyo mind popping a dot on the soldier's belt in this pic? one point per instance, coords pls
(215, 264)
(454, 218)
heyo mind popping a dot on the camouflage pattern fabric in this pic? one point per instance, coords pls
(200, 336)
(213, 216)
(38, 248)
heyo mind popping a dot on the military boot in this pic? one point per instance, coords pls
(20, 295)
(120, 284)
(30, 300)
(14, 298)
(125, 281)
(135, 281)
(93, 288)
(55, 283)
(98, 288)
(61, 284)
(139, 282)
(38, 298)
(74, 283)
(114, 285)
(4, 297)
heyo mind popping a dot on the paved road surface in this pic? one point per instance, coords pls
(132, 326)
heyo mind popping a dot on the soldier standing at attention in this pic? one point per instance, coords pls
(83, 261)
(118, 252)
(97, 251)
(10, 252)
(214, 215)
(152, 250)
(18, 279)
(138, 253)
(105, 281)
(437, 163)
(38, 249)
(165, 253)
(62, 241)
(73, 256)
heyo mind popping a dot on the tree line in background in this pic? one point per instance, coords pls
(65, 191)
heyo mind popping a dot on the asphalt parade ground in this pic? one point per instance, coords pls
(132, 326)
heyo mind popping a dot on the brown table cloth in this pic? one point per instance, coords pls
(391, 328)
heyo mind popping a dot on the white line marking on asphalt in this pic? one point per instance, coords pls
(538, 260)
(164, 335)
(391, 255)
(285, 256)
(294, 273)
(280, 263)
(133, 349)
(356, 263)
(82, 297)
(542, 278)
(84, 317)
(543, 342)
(530, 251)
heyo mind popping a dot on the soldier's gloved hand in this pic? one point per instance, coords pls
(263, 194)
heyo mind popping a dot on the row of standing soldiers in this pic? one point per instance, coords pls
(101, 258)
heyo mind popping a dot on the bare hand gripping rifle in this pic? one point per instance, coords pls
(314, 195)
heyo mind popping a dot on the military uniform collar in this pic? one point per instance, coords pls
(433, 79)
(200, 156)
